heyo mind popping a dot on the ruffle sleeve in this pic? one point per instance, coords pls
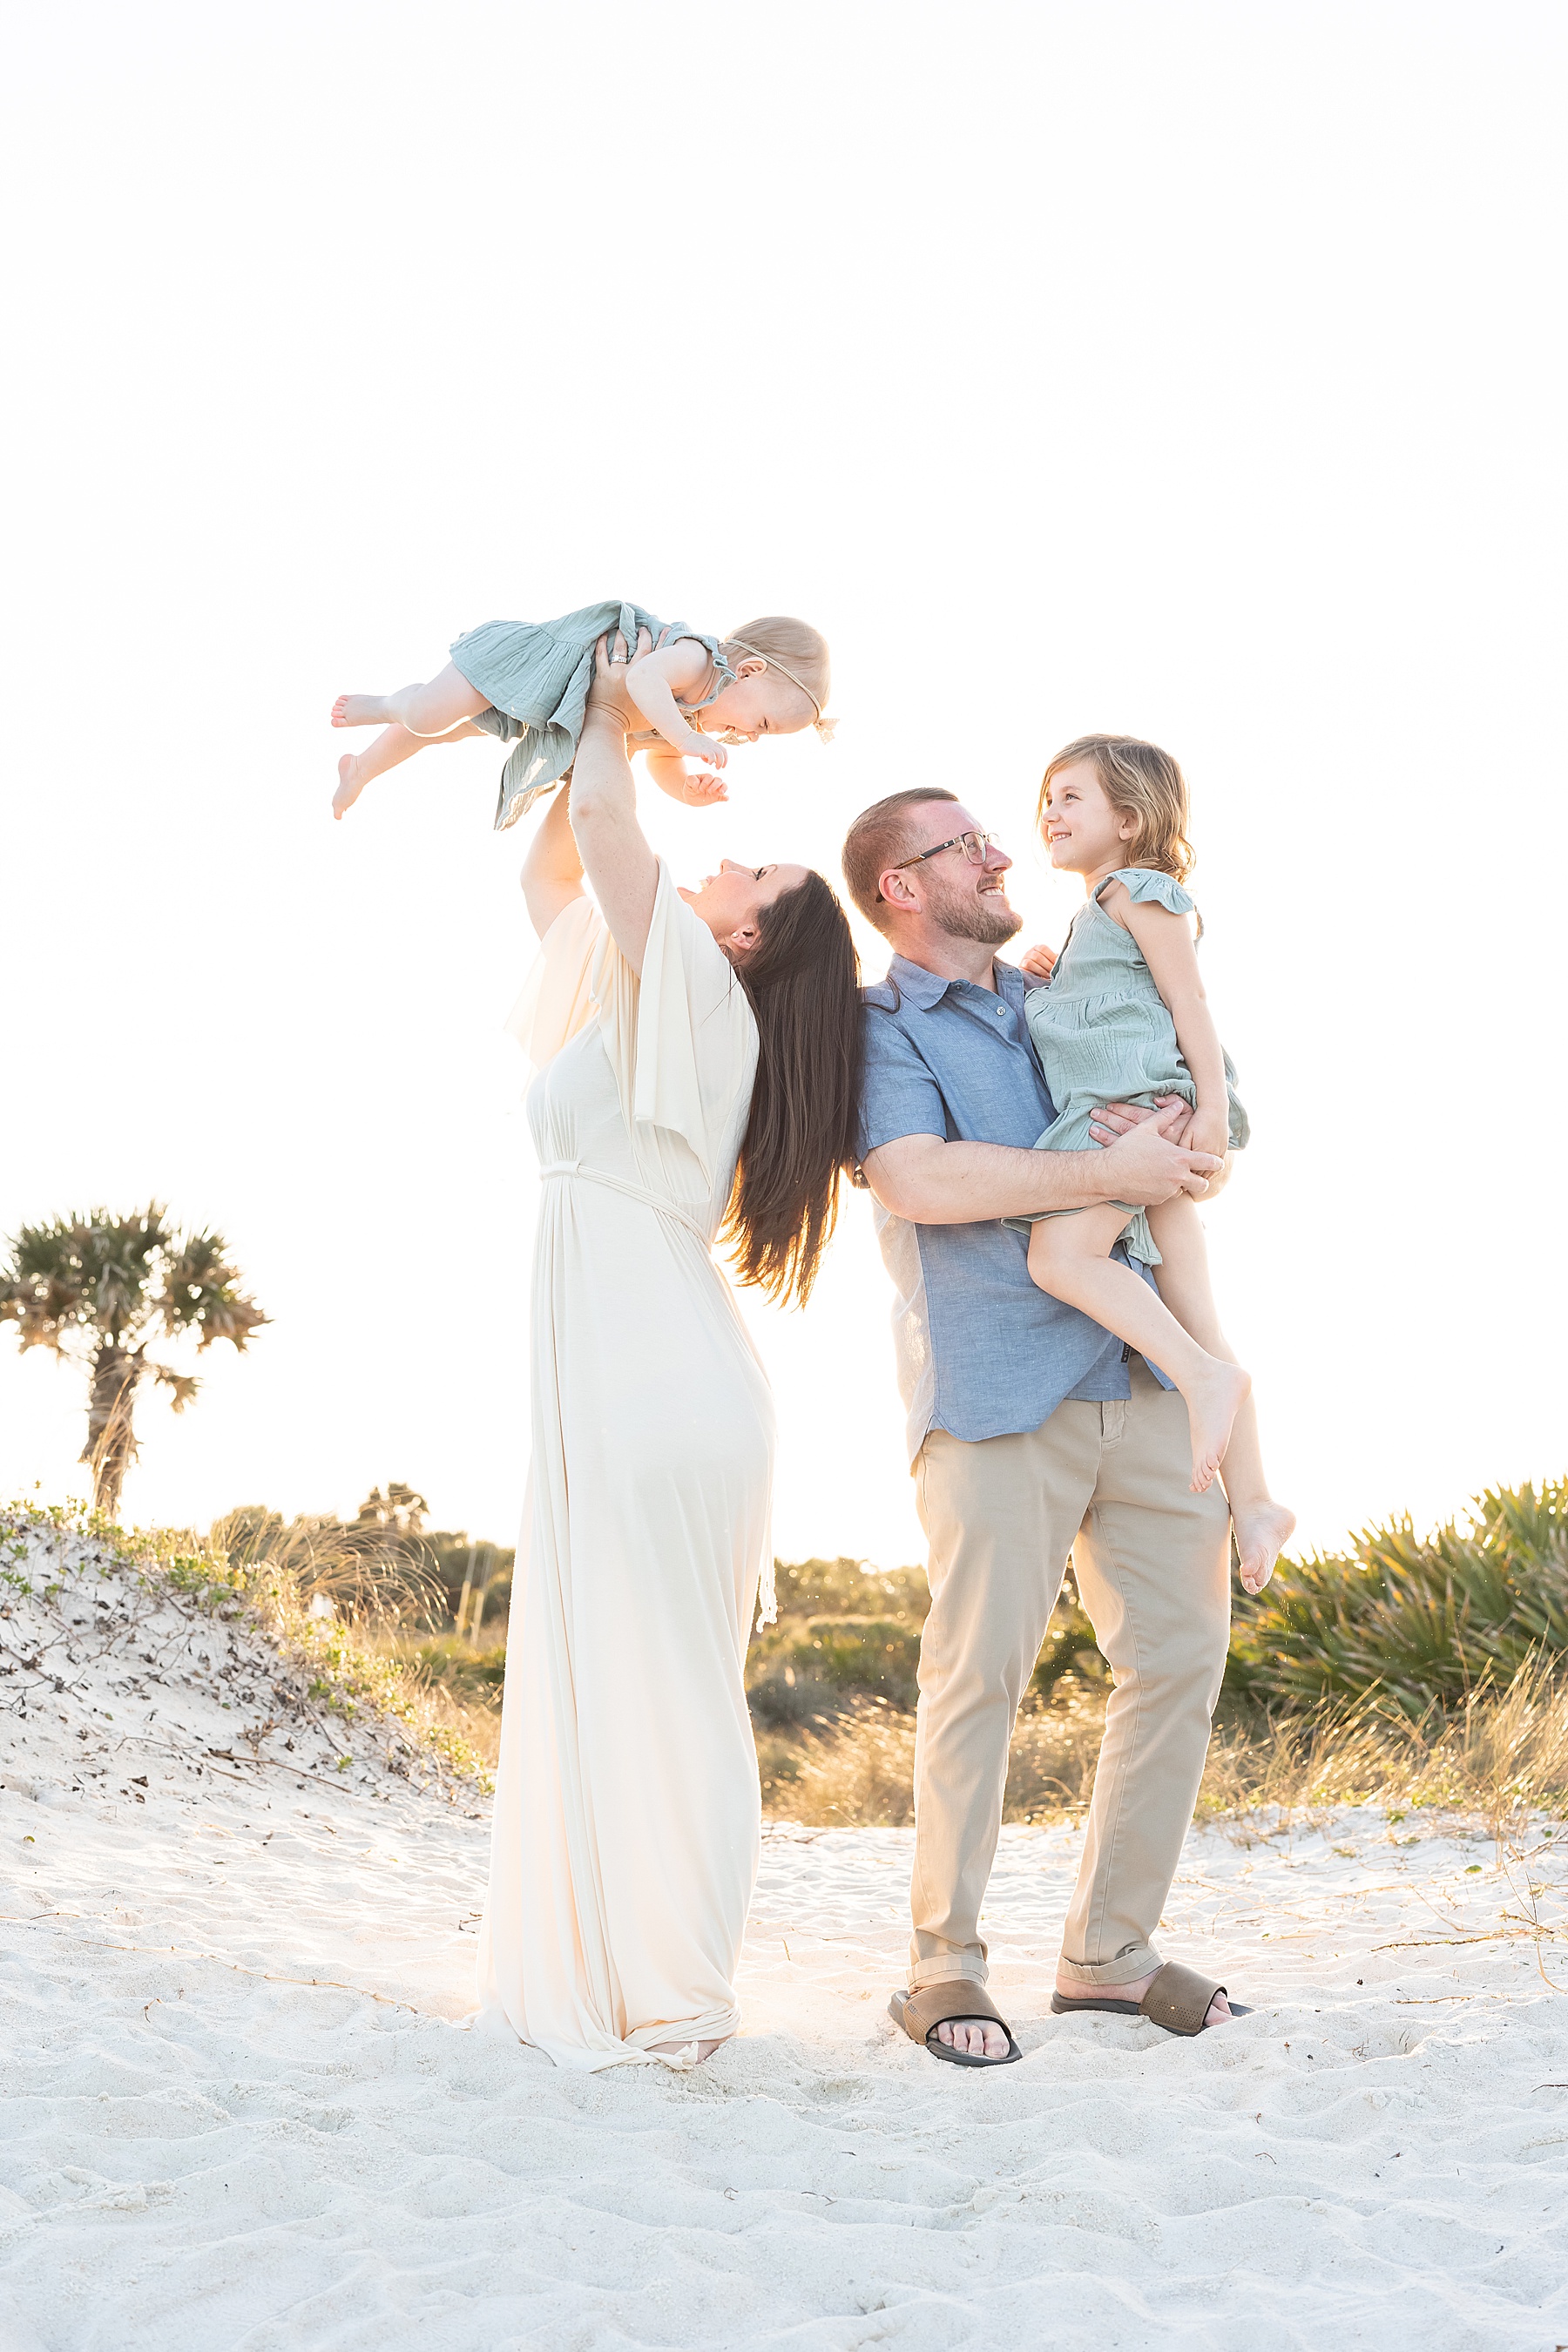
(1145, 882)
(557, 997)
(681, 1040)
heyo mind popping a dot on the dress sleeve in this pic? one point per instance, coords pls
(1144, 883)
(681, 1040)
(557, 997)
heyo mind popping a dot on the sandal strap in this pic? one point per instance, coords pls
(1179, 1999)
(935, 2004)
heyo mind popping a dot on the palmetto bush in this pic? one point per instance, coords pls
(1408, 1623)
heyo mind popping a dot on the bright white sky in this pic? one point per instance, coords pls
(1195, 370)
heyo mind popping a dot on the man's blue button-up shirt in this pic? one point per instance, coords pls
(982, 1352)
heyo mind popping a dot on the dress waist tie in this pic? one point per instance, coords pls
(633, 1192)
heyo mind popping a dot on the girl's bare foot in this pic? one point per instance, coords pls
(1262, 1531)
(349, 785)
(358, 710)
(678, 2049)
(1214, 1400)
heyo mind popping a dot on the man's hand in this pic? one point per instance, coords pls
(1120, 1118)
(1146, 1165)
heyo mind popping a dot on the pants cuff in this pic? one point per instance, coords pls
(1141, 1961)
(968, 1966)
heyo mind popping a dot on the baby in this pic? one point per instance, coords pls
(526, 682)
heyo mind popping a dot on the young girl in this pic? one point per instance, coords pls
(527, 682)
(1125, 1019)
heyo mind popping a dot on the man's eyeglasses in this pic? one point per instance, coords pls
(974, 845)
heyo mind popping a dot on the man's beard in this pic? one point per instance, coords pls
(987, 919)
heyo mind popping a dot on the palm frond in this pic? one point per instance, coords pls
(184, 1385)
(200, 1293)
(1408, 1622)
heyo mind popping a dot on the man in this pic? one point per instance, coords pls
(1030, 1430)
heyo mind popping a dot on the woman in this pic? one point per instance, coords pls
(698, 1059)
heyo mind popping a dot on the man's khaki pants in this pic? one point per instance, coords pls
(1109, 1484)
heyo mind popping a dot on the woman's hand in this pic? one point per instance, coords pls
(608, 690)
(1038, 962)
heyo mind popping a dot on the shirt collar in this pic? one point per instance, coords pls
(926, 989)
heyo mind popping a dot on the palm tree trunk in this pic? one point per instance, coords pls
(111, 1445)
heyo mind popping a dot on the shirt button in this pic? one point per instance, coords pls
(1001, 1013)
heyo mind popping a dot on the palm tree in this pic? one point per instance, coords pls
(95, 1289)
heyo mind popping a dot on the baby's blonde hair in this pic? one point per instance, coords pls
(797, 652)
(1139, 780)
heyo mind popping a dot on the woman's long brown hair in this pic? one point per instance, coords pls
(803, 982)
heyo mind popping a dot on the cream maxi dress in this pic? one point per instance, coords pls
(626, 1815)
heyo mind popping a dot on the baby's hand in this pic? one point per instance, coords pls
(701, 790)
(1038, 962)
(709, 748)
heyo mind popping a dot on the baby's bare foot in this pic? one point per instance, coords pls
(1213, 1403)
(349, 785)
(357, 710)
(1262, 1531)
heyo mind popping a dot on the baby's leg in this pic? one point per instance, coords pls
(1263, 1527)
(1070, 1255)
(390, 746)
(429, 709)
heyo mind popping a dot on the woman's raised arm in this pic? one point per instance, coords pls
(620, 865)
(553, 870)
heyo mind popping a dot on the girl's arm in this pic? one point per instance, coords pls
(1166, 946)
(653, 681)
(553, 870)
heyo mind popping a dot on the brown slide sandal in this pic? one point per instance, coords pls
(959, 2000)
(1178, 2000)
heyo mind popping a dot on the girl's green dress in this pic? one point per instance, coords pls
(536, 674)
(1104, 1034)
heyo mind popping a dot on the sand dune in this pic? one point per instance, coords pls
(243, 2107)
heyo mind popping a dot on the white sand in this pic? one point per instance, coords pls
(202, 2149)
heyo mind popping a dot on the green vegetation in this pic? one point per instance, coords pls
(1409, 1625)
(1420, 1671)
(95, 1289)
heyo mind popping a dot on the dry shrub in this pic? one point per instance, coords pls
(1502, 1754)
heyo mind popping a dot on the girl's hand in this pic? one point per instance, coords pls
(1039, 962)
(706, 747)
(1210, 1131)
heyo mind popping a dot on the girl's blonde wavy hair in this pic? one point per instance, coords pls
(1138, 779)
(797, 652)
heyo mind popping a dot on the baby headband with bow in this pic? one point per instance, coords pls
(773, 662)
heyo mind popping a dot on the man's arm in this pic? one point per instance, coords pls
(933, 1181)
(1118, 1118)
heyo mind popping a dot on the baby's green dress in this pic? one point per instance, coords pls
(536, 674)
(1104, 1034)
